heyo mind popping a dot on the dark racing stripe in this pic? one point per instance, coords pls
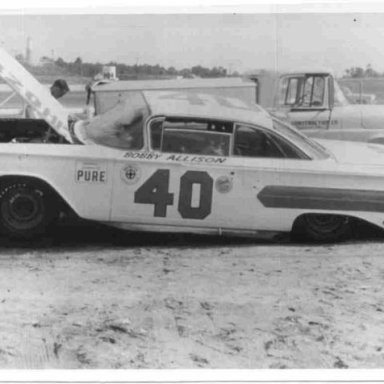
(332, 199)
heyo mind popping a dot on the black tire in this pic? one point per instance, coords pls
(322, 228)
(26, 209)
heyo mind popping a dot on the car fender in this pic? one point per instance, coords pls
(42, 181)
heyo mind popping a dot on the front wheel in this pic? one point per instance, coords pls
(322, 228)
(26, 209)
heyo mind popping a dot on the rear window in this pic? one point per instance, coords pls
(205, 137)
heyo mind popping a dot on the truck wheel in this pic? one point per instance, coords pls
(322, 228)
(26, 209)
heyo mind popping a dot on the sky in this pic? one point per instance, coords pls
(241, 42)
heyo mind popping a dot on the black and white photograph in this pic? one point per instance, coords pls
(192, 189)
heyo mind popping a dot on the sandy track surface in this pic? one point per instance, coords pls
(95, 298)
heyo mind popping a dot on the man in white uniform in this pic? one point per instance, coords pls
(58, 89)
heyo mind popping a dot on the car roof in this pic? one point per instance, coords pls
(179, 84)
(197, 105)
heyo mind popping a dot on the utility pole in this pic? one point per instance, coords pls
(28, 51)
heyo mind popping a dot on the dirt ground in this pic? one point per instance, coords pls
(92, 297)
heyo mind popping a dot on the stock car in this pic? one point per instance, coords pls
(176, 162)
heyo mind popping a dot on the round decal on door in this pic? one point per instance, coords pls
(130, 174)
(223, 184)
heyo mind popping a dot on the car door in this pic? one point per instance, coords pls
(263, 160)
(182, 182)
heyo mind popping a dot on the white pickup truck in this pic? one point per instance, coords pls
(314, 102)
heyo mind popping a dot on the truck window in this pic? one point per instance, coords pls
(283, 87)
(292, 91)
(313, 92)
(318, 91)
(303, 91)
(307, 95)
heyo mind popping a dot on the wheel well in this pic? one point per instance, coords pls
(355, 222)
(300, 219)
(63, 206)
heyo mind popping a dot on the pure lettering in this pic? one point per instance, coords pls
(91, 176)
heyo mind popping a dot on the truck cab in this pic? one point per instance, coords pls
(314, 102)
(308, 99)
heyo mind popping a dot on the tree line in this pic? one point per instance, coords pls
(49, 66)
(359, 72)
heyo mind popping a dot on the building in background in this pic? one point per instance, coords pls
(109, 72)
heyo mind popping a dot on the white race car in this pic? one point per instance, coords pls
(176, 162)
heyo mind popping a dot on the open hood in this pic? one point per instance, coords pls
(34, 93)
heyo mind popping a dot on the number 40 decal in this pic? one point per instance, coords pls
(156, 191)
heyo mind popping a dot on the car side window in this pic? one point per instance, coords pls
(200, 137)
(155, 133)
(254, 142)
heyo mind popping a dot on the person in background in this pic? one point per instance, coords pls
(88, 87)
(58, 89)
(214, 148)
(120, 127)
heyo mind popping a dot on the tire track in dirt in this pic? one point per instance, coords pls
(202, 306)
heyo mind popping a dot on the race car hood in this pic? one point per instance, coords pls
(34, 94)
(356, 153)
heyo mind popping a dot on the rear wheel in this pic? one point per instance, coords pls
(26, 209)
(322, 228)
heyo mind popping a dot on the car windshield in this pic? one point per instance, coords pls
(309, 146)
